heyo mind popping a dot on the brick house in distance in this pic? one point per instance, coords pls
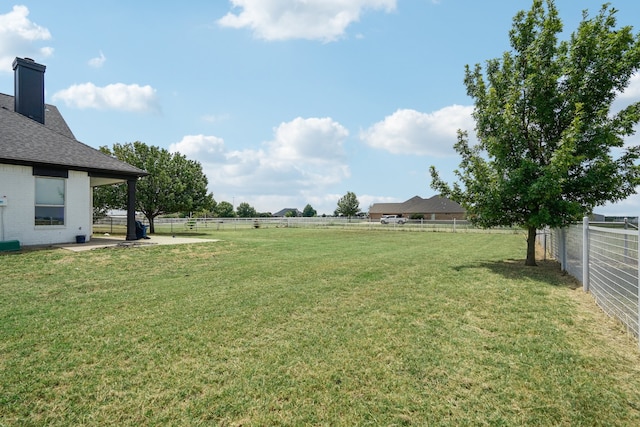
(47, 176)
(433, 208)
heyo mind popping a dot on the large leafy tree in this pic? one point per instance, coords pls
(550, 146)
(348, 205)
(308, 211)
(174, 183)
(245, 210)
(224, 209)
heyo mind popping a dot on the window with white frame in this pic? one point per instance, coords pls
(50, 198)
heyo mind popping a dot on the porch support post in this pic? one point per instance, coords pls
(131, 209)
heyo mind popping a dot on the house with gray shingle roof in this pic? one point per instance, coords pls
(433, 208)
(47, 176)
(285, 211)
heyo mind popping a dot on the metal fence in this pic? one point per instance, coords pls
(604, 258)
(116, 224)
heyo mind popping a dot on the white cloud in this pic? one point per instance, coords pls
(631, 205)
(303, 159)
(18, 36)
(632, 92)
(116, 96)
(46, 51)
(200, 147)
(630, 95)
(309, 140)
(309, 151)
(324, 20)
(98, 61)
(416, 133)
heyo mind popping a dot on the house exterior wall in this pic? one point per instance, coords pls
(427, 216)
(445, 216)
(435, 208)
(17, 222)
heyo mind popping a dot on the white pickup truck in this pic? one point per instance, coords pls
(392, 219)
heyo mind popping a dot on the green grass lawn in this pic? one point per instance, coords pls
(308, 327)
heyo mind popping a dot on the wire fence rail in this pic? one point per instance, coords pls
(604, 258)
(117, 224)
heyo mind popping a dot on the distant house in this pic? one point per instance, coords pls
(433, 208)
(624, 219)
(285, 211)
(47, 176)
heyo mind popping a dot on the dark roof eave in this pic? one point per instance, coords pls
(103, 173)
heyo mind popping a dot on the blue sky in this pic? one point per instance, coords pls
(283, 102)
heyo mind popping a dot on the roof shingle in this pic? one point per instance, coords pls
(416, 204)
(27, 142)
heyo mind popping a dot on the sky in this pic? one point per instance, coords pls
(283, 102)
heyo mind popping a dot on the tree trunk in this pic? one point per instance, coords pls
(531, 247)
(152, 227)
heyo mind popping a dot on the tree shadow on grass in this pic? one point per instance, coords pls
(547, 271)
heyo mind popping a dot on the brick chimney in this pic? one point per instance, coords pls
(29, 88)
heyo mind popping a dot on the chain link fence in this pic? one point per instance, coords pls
(604, 258)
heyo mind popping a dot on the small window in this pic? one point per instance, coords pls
(50, 196)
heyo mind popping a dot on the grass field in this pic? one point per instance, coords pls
(308, 327)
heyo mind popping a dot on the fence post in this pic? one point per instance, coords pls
(585, 254)
(626, 238)
(638, 258)
(454, 225)
(562, 244)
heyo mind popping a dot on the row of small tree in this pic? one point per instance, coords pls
(348, 205)
(245, 210)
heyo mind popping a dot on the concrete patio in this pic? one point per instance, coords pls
(99, 242)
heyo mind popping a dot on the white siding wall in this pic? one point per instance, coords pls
(17, 183)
